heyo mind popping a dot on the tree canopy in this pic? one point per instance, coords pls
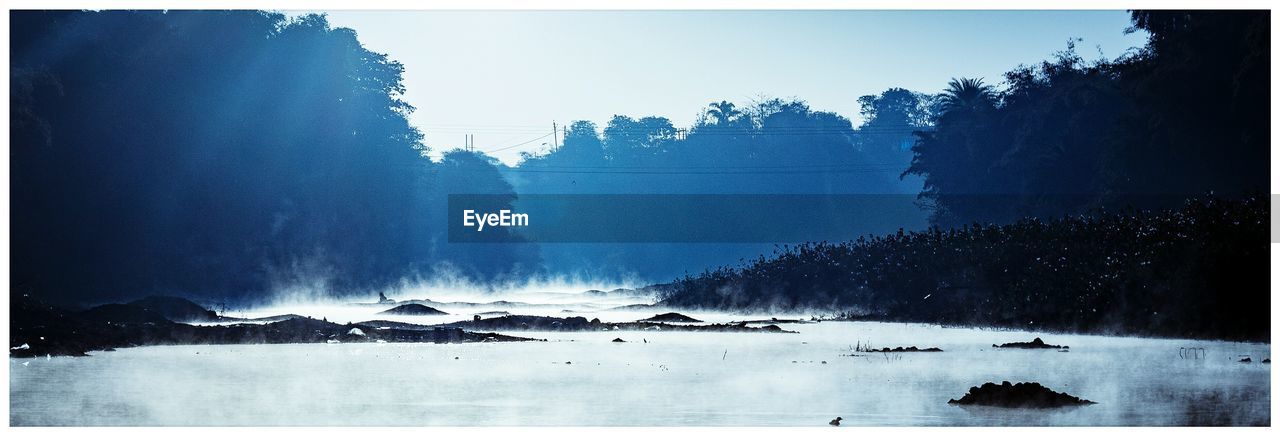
(1185, 115)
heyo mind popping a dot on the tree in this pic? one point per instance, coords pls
(221, 153)
(967, 94)
(1185, 115)
(887, 131)
(722, 114)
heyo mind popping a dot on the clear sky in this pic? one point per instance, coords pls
(505, 76)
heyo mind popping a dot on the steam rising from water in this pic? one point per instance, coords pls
(310, 295)
(655, 378)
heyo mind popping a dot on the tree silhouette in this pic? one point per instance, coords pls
(966, 94)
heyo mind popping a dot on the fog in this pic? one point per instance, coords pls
(654, 378)
(456, 294)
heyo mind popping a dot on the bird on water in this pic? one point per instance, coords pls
(836, 422)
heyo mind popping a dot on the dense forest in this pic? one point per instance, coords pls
(1185, 115)
(222, 154)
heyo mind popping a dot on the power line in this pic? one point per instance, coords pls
(517, 145)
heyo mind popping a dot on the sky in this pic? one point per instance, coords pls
(506, 76)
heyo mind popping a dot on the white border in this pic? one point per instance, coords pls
(611, 5)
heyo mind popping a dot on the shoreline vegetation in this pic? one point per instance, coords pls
(1194, 272)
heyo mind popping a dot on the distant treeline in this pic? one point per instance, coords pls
(1198, 271)
(771, 146)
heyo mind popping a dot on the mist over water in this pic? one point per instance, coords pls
(655, 378)
(449, 291)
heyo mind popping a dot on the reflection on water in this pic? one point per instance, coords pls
(655, 378)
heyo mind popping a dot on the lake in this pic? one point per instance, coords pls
(655, 378)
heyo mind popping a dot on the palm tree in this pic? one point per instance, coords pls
(967, 94)
(723, 113)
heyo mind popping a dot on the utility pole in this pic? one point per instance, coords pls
(555, 141)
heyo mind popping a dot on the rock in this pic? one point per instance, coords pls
(669, 317)
(1246, 360)
(1034, 344)
(413, 309)
(905, 350)
(578, 323)
(618, 340)
(1021, 395)
(47, 330)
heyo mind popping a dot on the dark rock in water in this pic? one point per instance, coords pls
(412, 310)
(578, 323)
(905, 350)
(1028, 395)
(1246, 360)
(618, 340)
(775, 321)
(176, 309)
(1034, 344)
(272, 318)
(669, 317)
(38, 329)
(1266, 360)
(631, 307)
